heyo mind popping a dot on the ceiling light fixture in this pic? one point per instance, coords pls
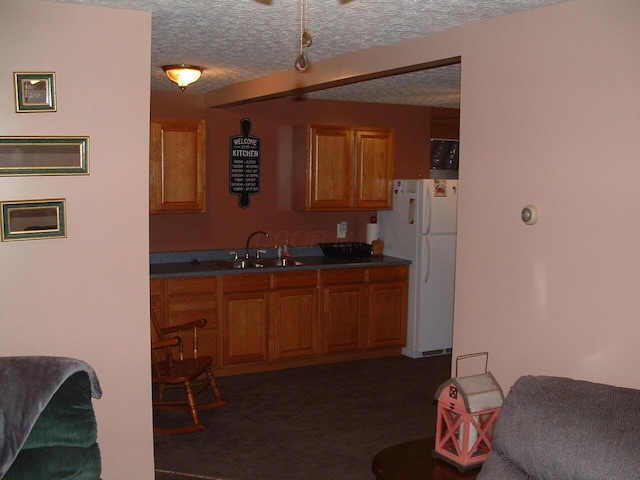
(183, 75)
(305, 38)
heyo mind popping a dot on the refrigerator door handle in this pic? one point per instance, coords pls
(429, 209)
(426, 202)
(427, 252)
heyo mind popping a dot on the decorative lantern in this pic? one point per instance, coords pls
(467, 410)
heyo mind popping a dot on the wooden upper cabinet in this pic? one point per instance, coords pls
(374, 167)
(342, 168)
(177, 166)
(331, 175)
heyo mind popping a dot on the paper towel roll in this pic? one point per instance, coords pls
(373, 232)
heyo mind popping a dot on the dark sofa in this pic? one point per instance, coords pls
(553, 428)
(48, 428)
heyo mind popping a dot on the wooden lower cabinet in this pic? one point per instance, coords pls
(344, 303)
(388, 308)
(266, 321)
(365, 308)
(158, 299)
(245, 318)
(295, 319)
(246, 328)
(181, 300)
(343, 307)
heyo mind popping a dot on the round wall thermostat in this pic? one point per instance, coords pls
(529, 214)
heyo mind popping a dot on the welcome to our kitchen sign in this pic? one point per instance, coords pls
(244, 164)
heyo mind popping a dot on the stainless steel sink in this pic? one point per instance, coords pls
(278, 262)
(233, 264)
(244, 263)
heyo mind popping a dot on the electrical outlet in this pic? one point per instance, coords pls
(342, 230)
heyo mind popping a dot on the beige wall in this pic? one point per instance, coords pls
(86, 296)
(550, 102)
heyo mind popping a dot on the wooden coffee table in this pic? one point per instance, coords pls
(413, 461)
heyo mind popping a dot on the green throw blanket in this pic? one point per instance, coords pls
(47, 423)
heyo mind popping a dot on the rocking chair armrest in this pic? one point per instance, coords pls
(170, 342)
(193, 324)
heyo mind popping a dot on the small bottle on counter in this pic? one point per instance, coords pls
(285, 249)
(279, 252)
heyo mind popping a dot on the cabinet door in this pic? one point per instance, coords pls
(343, 309)
(295, 317)
(374, 167)
(245, 315)
(158, 299)
(177, 166)
(296, 323)
(387, 314)
(191, 299)
(388, 297)
(158, 304)
(246, 321)
(331, 168)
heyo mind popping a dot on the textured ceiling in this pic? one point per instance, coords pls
(238, 40)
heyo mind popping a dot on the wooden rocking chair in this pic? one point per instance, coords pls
(193, 374)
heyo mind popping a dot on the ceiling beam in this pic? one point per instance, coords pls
(430, 51)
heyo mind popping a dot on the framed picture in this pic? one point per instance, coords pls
(33, 219)
(35, 92)
(44, 155)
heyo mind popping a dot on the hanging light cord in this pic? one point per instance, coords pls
(302, 63)
(306, 36)
(302, 3)
(305, 4)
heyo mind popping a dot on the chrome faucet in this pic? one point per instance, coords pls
(246, 251)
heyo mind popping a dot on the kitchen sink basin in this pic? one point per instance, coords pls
(244, 263)
(233, 264)
(278, 262)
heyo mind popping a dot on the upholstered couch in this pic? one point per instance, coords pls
(554, 428)
(48, 428)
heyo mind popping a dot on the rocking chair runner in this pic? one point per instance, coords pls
(191, 373)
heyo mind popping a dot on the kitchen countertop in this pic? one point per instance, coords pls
(178, 266)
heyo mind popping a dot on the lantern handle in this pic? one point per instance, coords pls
(470, 355)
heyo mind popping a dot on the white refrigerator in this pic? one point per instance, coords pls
(422, 227)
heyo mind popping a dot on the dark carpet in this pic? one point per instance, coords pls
(312, 423)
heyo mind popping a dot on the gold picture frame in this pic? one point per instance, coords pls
(33, 219)
(44, 156)
(35, 91)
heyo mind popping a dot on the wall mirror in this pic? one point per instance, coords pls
(33, 219)
(44, 155)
